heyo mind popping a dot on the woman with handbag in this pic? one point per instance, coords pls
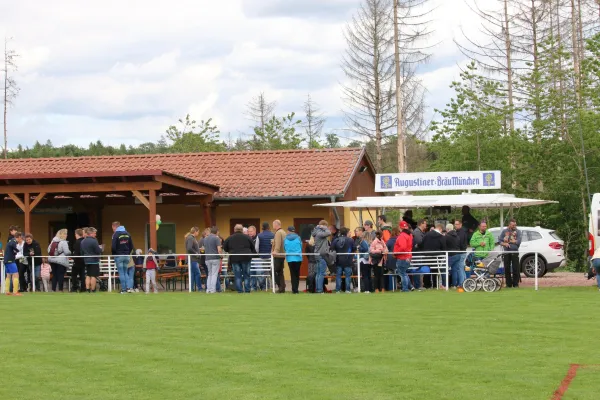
(377, 253)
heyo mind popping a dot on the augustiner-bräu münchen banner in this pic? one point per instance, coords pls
(423, 181)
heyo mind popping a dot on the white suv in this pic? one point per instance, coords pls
(550, 249)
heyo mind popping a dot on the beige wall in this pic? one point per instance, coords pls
(285, 211)
(39, 225)
(135, 218)
(352, 217)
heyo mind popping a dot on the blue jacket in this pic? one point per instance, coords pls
(122, 245)
(343, 244)
(293, 248)
(11, 252)
(265, 244)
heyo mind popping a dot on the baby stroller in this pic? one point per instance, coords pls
(486, 271)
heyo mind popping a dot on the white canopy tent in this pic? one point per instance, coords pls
(473, 200)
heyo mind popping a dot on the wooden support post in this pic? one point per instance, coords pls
(27, 212)
(152, 219)
(141, 198)
(37, 200)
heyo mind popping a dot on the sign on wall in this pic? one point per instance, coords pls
(424, 181)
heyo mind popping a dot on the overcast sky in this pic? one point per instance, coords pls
(123, 70)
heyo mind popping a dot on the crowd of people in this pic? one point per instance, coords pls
(374, 250)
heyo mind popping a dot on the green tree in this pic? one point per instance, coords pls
(192, 136)
(278, 134)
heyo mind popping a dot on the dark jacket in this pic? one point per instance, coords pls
(265, 244)
(434, 241)
(452, 243)
(122, 245)
(10, 252)
(138, 260)
(37, 253)
(343, 244)
(470, 224)
(418, 236)
(463, 236)
(310, 250)
(238, 243)
(391, 260)
(202, 258)
(79, 262)
(90, 247)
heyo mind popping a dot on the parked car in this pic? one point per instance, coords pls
(548, 245)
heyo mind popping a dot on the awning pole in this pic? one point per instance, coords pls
(501, 217)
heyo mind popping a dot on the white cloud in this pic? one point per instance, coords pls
(122, 71)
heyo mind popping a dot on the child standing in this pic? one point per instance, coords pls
(138, 261)
(45, 269)
(151, 265)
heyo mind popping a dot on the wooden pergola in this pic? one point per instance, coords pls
(115, 187)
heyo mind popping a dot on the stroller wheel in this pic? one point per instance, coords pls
(470, 285)
(489, 285)
(479, 284)
(499, 284)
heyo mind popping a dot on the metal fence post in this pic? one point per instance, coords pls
(190, 273)
(358, 270)
(447, 275)
(109, 276)
(33, 273)
(536, 271)
(273, 272)
(3, 277)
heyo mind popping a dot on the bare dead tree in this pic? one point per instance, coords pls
(260, 110)
(11, 90)
(496, 54)
(410, 28)
(313, 122)
(368, 64)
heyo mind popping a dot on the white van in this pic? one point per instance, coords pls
(594, 228)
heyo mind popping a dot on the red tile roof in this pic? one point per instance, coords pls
(240, 175)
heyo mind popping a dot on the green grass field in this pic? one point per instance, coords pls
(433, 345)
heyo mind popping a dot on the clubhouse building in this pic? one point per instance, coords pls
(44, 195)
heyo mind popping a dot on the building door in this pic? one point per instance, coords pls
(166, 238)
(71, 222)
(304, 229)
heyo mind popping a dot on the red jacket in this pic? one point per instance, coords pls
(403, 245)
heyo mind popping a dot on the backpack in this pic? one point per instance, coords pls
(53, 249)
(330, 257)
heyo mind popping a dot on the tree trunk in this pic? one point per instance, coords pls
(5, 100)
(399, 117)
(576, 53)
(561, 89)
(536, 83)
(378, 134)
(509, 75)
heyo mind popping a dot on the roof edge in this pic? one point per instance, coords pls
(256, 198)
(334, 150)
(363, 155)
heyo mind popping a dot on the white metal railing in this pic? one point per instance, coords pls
(438, 259)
